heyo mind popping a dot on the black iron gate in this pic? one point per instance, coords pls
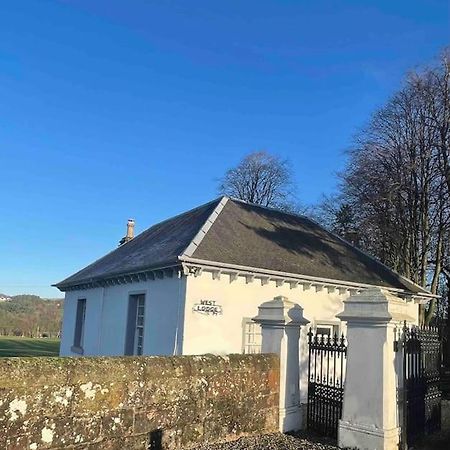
(421, 381)
(326, 376)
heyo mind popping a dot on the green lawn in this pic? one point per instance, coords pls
(20, 346)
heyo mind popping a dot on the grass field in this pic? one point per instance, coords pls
(20, 346)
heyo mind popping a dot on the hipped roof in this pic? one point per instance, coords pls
(234, 233)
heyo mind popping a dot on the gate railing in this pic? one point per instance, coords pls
(326, 377)
(421, 354)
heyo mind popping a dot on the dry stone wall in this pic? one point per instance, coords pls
(135, 403)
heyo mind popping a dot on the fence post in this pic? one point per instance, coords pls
(370, 409)
(280, 322)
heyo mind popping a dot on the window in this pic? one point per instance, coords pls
(134, 343)
(79, 326)
(328, 330)
(139, 333)
(252, 338)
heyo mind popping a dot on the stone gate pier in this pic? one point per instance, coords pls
(281, 321)
(370, 416)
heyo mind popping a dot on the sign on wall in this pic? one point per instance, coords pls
(207, 307)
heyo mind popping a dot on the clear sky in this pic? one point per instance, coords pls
(114, 109)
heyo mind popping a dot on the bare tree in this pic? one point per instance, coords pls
(396, 185)
(437, 93)
(340, 217)
(260, 178)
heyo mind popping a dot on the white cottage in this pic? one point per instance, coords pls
(191, 284)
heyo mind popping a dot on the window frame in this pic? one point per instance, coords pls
(247, 344)
(333, 326)
(135, 328)
(138, 345)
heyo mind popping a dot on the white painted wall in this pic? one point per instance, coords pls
(222, 334)
(106, 318)
(93, 313)
(68, 323)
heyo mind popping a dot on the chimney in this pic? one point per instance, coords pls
(130, 233)
(130, 230)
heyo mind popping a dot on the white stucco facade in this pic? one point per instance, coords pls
(239, 299)
(196, 313)
(173, 324)
(106, 317)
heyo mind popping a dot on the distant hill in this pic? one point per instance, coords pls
(30, 315)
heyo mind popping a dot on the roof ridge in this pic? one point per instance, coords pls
(174, 217)
(270, 208)
(195, 242)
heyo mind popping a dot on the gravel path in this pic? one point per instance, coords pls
(274, 441)
(278, 441)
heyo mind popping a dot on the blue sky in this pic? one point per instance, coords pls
(115, 109)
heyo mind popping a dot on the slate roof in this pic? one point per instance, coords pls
(159, 246)
(248, 235)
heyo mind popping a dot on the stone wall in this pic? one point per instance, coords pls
(135, 403)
